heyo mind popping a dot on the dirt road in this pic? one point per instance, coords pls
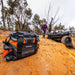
(53, 58)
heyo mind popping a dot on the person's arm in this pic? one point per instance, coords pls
(46, 27)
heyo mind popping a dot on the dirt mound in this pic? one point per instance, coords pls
(53, 58)
(73, 41)
(1, 31)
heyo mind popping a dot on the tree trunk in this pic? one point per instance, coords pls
(3, 18)
(50, 25)
(8, 24)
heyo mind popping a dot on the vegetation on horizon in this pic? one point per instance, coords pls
(18, 15)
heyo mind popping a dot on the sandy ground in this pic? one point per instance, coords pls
(53, 58)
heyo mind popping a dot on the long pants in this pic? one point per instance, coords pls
(44, 32)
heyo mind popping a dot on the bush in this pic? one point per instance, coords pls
(17, 29)
(11, 29)
(37, 30)
(27, 28)
(3, 28)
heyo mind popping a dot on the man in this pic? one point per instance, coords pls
(44, 28)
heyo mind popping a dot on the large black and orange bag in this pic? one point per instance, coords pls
(19, 45)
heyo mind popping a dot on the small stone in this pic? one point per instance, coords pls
(17, 69)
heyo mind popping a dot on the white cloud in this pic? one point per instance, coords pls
(72, 23)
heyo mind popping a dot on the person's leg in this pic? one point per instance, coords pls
(43, 34)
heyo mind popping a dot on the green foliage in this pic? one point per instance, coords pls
(42, 21)
(28, 13)
(0, 23)
(37, 30)
(8, 17)
(17, 29)
(27, 28)
(2, 28)
(36, 19)
(18, 9)
(71, 28)
(10, 29)
(18, 23)
(22, 14)
(59, 27)
(3, 15)
(25, 3)
(12, 4)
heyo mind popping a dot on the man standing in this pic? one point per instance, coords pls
(44, 28)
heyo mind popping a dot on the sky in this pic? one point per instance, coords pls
(66, 10)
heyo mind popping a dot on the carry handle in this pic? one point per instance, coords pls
(7, 41)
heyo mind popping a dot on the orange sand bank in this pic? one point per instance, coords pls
(53, 58)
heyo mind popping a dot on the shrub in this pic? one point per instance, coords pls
(17, 29)
(2, 28)
(11, 29)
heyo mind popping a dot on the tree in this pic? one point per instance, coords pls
(50, 25)
(19, 12)
(36, 20)
(71, 28)
(8, 17)
(54, 19)
(37, 30)
(0, 23)
(42, 21)
(59, 27)
(3, 17)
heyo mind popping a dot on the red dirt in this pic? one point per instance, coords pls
(53, 58)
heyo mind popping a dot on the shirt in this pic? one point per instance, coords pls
(44, 27)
